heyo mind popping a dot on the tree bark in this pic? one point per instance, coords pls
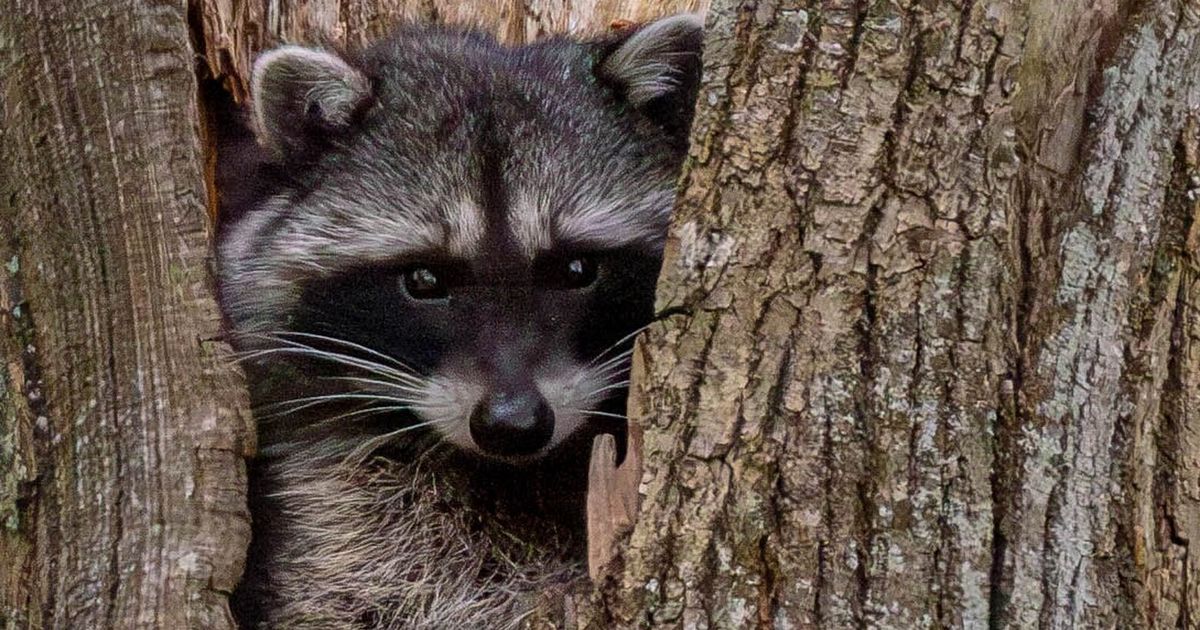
(231, 33)
(930, 349)
(933, 354)
(122, 432)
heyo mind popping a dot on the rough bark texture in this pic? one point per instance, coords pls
(933, 349)
(233, 32)
(121, 430)
(934, 361)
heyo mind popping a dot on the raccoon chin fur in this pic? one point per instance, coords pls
(413, 535)
(385, 544)
(467, 237)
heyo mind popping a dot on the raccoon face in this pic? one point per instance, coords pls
(463, 235)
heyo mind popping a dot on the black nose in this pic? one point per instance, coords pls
(512, 423)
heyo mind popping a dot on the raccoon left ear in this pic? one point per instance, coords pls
(300, 95)
(657, 66)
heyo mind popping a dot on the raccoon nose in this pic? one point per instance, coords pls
(512, 423)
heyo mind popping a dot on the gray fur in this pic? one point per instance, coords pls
(391, 155)
(294, 86)
(651, 63)
(376, 546)
(575, 172)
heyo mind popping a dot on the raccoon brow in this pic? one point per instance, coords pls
(576, 248)
(430, 257)
(456, 269)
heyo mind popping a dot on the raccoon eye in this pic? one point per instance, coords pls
(423, 284)
(579, 273)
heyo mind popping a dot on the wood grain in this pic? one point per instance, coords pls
(231, 33)
(122, 431)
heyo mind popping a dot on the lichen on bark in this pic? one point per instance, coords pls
(897, 385)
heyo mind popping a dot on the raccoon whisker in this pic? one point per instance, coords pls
(606, 388)
(618, 360)
(316, 400)
(604, 414)
(341, 357)
(283, 408)
(374, 381)
(300, 350)
(388, 358)
(618, 343)
(364, 449)
(303, 351)
(325, 421)
(275, 415)
(364, 412)
(612, 371)
(615, 362)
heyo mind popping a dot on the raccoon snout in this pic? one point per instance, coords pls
(512, 423)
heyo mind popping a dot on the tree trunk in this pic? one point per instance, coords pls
(121, 430)
(931, 343)
(935, 352)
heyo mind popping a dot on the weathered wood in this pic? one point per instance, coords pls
(612, 499)
(933, 363)
(231, 33)
(121, 430)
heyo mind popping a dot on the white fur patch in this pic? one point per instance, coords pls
(593, 220)
(447, 404)
(571, 390)
(530, 222)
(648, 62)
(262, 275)
(465, 227)
(448, 398)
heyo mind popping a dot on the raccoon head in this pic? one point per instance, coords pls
(464, 235)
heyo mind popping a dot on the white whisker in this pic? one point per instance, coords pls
(393, 360)
(363, 412)
(301, 349)
(618, 343)
(364, 449)
(620, 385)
(612, 371)
(616, 360)
(309, 401)
(304, 351)
(373, 381)
(605, 414)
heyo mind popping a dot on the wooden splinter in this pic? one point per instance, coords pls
(612, 498)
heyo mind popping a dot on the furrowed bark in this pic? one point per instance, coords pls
(121, 430)
(932, 357)
(930, 349)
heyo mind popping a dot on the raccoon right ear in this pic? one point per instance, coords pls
(656, 67)
(300, 95)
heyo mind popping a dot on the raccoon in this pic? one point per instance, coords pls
(432, 259)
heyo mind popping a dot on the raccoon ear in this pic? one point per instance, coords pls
(658, 65)
(300, 95)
